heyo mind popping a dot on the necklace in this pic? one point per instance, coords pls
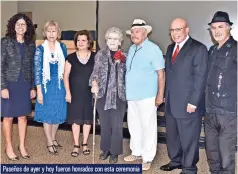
(20, 41)
(84, 59)
(53, 58)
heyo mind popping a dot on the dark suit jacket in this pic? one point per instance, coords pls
(186, 78)
(11, 61)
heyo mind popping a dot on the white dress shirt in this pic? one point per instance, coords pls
(181, 44)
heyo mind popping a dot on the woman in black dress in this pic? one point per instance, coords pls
(78, 68)
(17, 88)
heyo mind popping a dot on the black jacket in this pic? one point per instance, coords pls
(11, 61)
(186, 78)
(221, 92)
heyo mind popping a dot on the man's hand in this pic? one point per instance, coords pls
(191, 108)
(159, 100)
(5, 93)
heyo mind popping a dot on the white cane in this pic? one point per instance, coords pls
(94, 124)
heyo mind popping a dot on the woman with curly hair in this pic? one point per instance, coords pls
(17, 88)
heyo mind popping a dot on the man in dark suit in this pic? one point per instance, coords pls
(186, 66)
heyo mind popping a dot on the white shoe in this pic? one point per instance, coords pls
(131, 158)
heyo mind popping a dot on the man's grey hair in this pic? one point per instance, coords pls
(114, 30)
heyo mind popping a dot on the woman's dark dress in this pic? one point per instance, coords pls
(19, 102)
(80, 110)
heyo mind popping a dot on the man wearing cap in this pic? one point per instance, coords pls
(186, 74)
(221, 98)
(144, 91)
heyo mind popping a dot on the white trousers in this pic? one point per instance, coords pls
(142, 125)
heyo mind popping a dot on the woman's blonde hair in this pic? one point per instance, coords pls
(52, 23)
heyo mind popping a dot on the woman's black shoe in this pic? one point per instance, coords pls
(87, 151)
(113, 159)
(16, 158)
(104, 155)
(75, 153)
(57, 145)
(25, 156)
(54, 152)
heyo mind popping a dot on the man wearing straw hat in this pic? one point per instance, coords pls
(145, 83)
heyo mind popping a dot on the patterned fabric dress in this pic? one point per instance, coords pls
(53, 110)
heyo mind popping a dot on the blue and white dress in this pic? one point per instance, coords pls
(53, 110)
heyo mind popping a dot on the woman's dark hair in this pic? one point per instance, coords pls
(87, 34)
(30, 30)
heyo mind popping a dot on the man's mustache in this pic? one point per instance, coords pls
(134, 37)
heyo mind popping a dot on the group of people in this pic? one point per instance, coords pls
(192, 82)
(57, 80)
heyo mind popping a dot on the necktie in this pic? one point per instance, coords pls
(175, 54)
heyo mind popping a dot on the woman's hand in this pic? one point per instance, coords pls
(40, 97)
(5, 93)
(68, 97)
(32, 94)
(94, 88)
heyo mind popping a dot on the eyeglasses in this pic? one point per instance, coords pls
(21, 25)
(177, 29)
(137, 49)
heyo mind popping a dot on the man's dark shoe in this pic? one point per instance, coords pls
(113, 159)
(104, 155)
(168, 167)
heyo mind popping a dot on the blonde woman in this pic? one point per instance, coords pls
(49, 64)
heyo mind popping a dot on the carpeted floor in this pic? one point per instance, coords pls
(36, 146)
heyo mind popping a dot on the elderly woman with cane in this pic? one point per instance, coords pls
(108, 85)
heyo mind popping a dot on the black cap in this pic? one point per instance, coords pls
(221, 16)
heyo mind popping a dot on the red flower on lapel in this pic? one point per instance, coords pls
(119, 56)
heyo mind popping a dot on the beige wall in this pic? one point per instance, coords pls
(8, 9)
(74, 15)
(77, 15)
(159, 15)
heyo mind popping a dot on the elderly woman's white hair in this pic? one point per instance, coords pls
(114, 30)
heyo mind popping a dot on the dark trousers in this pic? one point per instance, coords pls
(111, 126)
(221, 138)
(183, 136)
